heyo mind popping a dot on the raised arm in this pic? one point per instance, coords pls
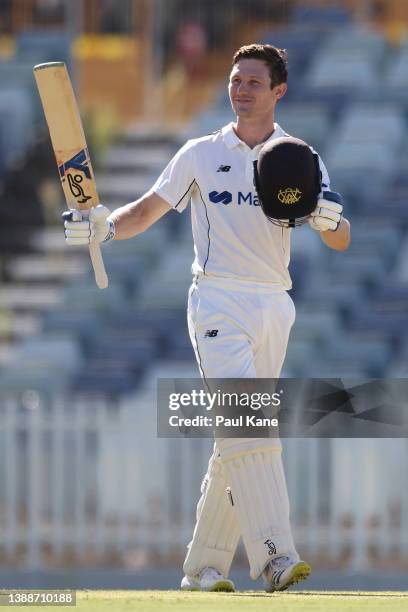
(340, 239)
(136, 217)
(125, 222)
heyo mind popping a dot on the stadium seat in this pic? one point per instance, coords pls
(368, 321)
(310, 122)
(300, 43)
(321, 17)
(59, 350)
(360, 124)
(83, 325)
(333, 72)
(333, 293)
(396, 78)
(358, 42)
(109, 379)
(43, 363)
(88, 297)
(313, 325)
(374, 354)
(347, 368)
(16, 119)
(39, 46)
(364, 267)
(301, 351)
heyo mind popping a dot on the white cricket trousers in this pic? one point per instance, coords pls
(238, 329)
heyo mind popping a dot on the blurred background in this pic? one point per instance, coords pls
(89, 496)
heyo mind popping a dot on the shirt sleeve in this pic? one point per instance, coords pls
(325, 176)
(323, 170)
(177, 181)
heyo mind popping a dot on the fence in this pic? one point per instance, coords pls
(89, 482)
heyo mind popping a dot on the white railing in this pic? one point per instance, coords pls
(89, 481)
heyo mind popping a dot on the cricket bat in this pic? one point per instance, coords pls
(69, 144)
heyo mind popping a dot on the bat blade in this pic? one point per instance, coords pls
(70, 148)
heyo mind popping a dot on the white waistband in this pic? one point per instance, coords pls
(237, 284)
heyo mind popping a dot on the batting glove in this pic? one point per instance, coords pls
(327, 214)
(83, 226)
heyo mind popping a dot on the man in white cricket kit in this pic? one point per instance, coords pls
(239, 314)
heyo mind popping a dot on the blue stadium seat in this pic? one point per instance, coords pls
(335, 73)
(43, 46)
(16, 120)
(179, 346)
(374, 354)
(369, 321)
(316, 17)
(88, 297)
(84, 325)
(361, 166)
(125, 270)
(389, 209)
(357, 42)
(43, 363)
(160, 319)
(300, 43)
(301, 351)
(359, 267)
(360, 124)
(105, 380)
(347, 368)
(333, 293)
(396, 78)
(310, 122)
(334, 98)
(112, 346)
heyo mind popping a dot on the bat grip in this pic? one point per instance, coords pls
(98, 265)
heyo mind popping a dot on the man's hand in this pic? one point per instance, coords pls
(83, 227)
(328, 212)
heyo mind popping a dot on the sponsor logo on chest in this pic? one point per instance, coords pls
(240, 198)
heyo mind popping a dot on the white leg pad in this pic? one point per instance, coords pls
(260, 498)
(216, 533)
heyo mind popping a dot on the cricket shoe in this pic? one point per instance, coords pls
(209, 579)
(282, 572)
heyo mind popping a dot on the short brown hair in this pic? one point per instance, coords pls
(274, 58)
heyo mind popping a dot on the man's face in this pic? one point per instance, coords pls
(250, 89)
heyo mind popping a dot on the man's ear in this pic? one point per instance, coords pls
(280, 90)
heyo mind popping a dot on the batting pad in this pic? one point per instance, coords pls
(255, 471)
(216, 533)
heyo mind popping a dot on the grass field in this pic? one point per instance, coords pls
(152, 601)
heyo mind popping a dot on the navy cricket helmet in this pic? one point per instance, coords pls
(288, 180)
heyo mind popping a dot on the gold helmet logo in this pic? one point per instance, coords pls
(289, 195)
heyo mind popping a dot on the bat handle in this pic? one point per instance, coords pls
(98, 265)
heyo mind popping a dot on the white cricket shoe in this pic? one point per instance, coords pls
(190, 584)
(282, 572)
(209, 579)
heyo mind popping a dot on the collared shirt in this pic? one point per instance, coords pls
(232, 236)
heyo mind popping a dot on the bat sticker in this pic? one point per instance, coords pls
(74, 181)
(79, 162)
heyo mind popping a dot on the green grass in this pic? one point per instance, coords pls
(251, 601)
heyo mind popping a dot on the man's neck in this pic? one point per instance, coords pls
(254, 133)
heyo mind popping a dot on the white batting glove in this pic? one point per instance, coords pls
(328, 212)
(83, 226)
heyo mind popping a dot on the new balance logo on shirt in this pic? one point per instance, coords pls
(211, 333)
(224, 168)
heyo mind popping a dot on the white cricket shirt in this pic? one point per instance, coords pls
(232, 236)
